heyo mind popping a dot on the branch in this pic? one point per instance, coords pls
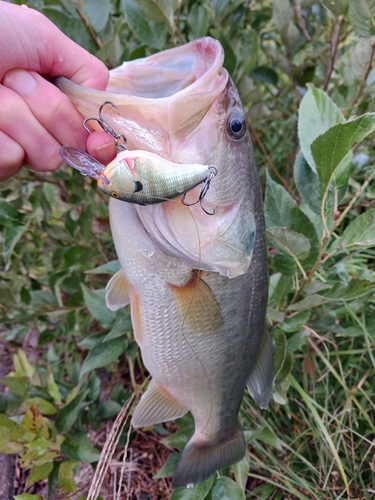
(335, 40)
(301, 24)
(91, 32)
(365, 75)
(270, 162)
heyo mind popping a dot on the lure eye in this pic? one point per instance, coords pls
(115, 195)
(236, 126)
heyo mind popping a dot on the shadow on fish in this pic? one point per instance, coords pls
(197, 285)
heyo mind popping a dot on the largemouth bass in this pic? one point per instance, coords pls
(196, 284)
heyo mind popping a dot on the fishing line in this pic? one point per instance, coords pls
(198, 274)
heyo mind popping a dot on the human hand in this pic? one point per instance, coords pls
(35, 117)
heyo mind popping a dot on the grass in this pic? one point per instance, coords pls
(326, 430)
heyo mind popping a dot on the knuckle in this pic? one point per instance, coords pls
(52, 112)
(11, 157)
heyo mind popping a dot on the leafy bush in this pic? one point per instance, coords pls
(305, 73)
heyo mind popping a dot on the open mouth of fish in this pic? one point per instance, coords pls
(161, 98)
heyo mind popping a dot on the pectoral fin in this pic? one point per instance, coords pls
(117, 291)
(261, 378)
(156, 406)
(197, 305)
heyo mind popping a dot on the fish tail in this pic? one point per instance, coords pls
(199, 460)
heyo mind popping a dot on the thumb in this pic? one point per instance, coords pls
(42, 47)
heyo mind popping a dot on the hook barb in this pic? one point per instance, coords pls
(120, 139)
(206, 186)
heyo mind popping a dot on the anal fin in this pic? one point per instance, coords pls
(117, 291)
(156, 406)
(197, 305)
(261, 377)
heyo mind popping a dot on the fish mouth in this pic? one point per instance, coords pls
(161, 98)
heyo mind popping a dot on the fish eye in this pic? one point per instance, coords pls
(236, 126)
(114, 194)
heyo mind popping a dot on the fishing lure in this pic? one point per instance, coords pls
(138, 176)
(141, 177)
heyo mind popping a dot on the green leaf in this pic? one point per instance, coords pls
(317, 113)
(107, 268)
(8, 214)
(95, 302)
(45, 407)
(279, 343)
(330, 149)
(307, 183)
(281, 210)
(360, 232)
(286, 368)
(180, 438)
(241, 471)
(38, 473)
(282, 13)
(197, 492)
(198, 20)
(65, 477)
(169, 466)
(265, 74)
(18, 385)
(268, 437)
(12, 235)
(297, 340)
(159, 10)
(4, 438)
(309, 302)
(360, 57)
(22, 366)
(356, 289)
(225, 488)
(104, 354)
(78, 447)
(92, 341)
(121, 327)
(291, 325)
(295, 244)
(137, 21)
(230, 59)
(362, 17)
(69, 413)
(108, 409)
(97, 12)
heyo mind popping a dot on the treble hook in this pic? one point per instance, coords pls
(120, 146)
(205, 188)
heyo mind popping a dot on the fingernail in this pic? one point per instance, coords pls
(20, 81)
(106, 152)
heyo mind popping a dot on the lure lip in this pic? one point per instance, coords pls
(86, 164)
